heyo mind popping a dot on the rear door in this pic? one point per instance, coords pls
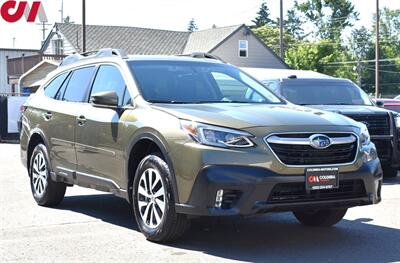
(63, 117)
(100, 141)
(57, 129)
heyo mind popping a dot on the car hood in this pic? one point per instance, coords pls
(242, 116)
(350, 109)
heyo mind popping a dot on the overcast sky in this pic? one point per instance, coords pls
(161, 14)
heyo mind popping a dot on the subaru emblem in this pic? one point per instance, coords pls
(320, 141)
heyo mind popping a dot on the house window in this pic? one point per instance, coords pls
(243, 48)
(58, 46)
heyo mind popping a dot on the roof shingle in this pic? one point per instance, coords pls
(133, 40)
(145, 41)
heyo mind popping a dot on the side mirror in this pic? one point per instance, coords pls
(108, 99)
(380, 104)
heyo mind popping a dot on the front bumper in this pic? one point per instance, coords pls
(249, 191)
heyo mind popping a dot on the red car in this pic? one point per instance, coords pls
(389, 104)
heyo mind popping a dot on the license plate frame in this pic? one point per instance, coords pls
(322, 178)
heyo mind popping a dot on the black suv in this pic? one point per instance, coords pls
(344, 97)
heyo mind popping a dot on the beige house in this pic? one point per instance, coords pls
(236, 45)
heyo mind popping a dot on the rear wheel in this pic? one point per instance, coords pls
(45, 191)
(389, 172)
(325, 218)
(154, 202)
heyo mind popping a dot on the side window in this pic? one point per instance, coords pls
(234, 90)
(78, 84)
(52, 88)
(109, 78)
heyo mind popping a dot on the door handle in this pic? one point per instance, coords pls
(81, 120)
(48, 115)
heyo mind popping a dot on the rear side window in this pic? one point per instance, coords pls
(61, 91)
(109, 78)
(52, 88)
(78, 84)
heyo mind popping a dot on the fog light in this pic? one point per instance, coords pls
(218, 198)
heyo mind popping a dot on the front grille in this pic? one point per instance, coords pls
(377, 124)
(291, 154)
(296, 192)
(384, 149)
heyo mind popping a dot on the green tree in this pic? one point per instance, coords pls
(361, 42)
(263, 17)
(330, 17)
(192, 26)
(294, 24)
(389, 54)
(270, 36)
(316, 56)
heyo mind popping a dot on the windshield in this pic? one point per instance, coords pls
(323, 92)
(197, 82)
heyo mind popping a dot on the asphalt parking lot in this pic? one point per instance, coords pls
(91, 226)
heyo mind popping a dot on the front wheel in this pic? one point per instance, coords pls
(45, 191)
(324, 218)
(154, 202)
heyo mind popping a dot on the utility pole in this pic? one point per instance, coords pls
(377, 91)
(281, 44)
(43, 24)
(83, 26)
(358, 69)
(14, 42)
(62, 11)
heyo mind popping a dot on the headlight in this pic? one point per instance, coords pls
(365, 138)
(217, 136)
(397, 120)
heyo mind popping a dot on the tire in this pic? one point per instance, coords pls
(160, 223)
(323, 218)
(389, 172)
(45, 191)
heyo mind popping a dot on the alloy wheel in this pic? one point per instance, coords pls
(151, 198)
(39, 174)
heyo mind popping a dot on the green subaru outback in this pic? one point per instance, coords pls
(178, 137)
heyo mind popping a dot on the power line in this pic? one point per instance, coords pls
(355, 61)
(384, 71)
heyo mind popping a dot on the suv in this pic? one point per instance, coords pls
(177, 137)
(344, 97)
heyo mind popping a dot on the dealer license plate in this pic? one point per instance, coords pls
(322, 178)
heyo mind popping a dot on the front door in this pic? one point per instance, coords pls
(100, 141)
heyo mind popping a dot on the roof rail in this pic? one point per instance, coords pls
(203, 55)
(105, 52)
